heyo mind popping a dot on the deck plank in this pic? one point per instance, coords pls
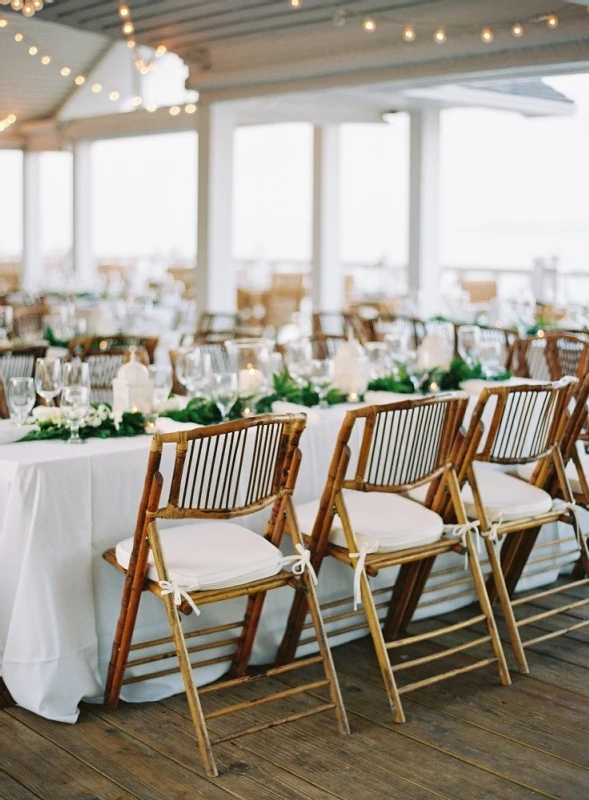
(12, 790)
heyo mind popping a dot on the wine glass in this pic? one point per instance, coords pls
(491, 357)
(161, 375)
(469, 339)
(225, 391)
(397, 342)
(75, 404)
(194, 371)
(21, 398)
(6, 315)
(297, 358)
(320, 375)
(48, 378)
(76, 373)
(379, 362)
(415, 370)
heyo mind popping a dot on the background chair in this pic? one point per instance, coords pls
(549, 356)
(17, 363)
(84, 346)
(104, 366)
(365, 520)
(219, 361)
(215, 480)
(29, 322)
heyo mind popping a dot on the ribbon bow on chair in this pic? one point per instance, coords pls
(171, 587)
(301, 562)
(460, 532)
(358, 570)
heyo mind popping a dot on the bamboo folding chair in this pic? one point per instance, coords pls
(84, 346)
(489, 333)
(549, 356)
(526, 426)
(220, 473)
(403, 446)
(103, 367)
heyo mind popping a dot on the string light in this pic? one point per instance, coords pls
(27, 7)
(124, 11)
(295, 3)
(114, 96)
(18, 37)
(190, 108)
(174, 110)
(487, 35)
(46, 60)
(33, 50)
(65, 71)
(369, 25)
(517, 30)
(440, 36)
(552, 21)
(3, 23)
(128, 28)
(96, 87)
(409, 33)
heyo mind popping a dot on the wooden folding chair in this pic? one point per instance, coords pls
(103, 366)
(549, 356)
(220, 473)
(364, 521)
(84, 346)
(526, 425)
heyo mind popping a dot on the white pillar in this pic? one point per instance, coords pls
(424, 210)
(83, 259)
(32, 264)
(216, 286)
(327, 280)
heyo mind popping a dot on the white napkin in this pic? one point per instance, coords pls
(282, 407)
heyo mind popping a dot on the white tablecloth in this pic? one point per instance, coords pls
(61, 507)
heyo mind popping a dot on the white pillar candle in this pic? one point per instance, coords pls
(250, 379)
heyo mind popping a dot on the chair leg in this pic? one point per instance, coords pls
(294, 627)
(486, 608)
(194, 705)
(506, 607)
(248, 633)
(382, 654)
(406, 595)
(328, 666)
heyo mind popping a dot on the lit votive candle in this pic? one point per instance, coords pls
(250, 379)
(433, 387)
(353, 397)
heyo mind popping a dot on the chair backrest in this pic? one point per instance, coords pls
(505, 336)
(29, 322)
(18, 363)
(84, 346)
(404, 444)
(480, 291)
(329, 323)
(525, 424)
(232, 469)
(387, 323)
(284, 298)
(549, 356)
(325, 346)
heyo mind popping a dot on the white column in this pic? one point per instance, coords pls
(424, 210)
(32, 264)
(327, 281)
(83, 259)
(216, 287)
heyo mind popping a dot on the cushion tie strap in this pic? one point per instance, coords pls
(301, 563)
(171, 587)
(460, 532)
(576, 510)
(358, 570)
(493, 533)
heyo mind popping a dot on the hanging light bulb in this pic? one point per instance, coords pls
(3, 23)
(131, 43)
(17, 5)
(440, 36)
(28, 10)
(517, 30)
(33, 50)
(65, 71)
(18, 37)
(46, 60)
(96, 87)
(487, 35)
(409, 33)
(128, 27)
(190, 108)
(552, 21)
(79, 80)
(113, 96)
(369, 25)
(38, 5)
(161, 50)
(295, 3)
(124, 11)
(174, 110)
(137, 100)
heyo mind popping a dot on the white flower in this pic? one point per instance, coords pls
(49, 415)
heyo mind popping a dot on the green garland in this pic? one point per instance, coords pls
(101, 424)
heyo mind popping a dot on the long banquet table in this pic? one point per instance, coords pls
(61, 507)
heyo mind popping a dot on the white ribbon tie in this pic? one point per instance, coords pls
(358, 570)
(459, 531)
(171, 587)
(301, 563)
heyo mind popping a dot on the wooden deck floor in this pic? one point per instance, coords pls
(466, 738)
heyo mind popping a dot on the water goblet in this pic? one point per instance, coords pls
(469, 339)
(48, 378)
(21, 398)
(161, 375)
(491, 358)
(76, 373)
(194, 370)
(225, 391)
(320, 375)
(75, 404)
(297, 358)
(379, 362)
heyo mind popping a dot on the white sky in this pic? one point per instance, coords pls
(513, 188)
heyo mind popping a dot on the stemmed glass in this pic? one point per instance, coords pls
(194, 371)
(75, 397)
(491, 358)
(320, 375)
(225, 391)
(469, 339)
(5, 322)
(48, 378)
(298, 357)
(21, 398)
(161, 375)
(379, 362)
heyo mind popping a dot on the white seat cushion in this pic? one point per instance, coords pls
(211, 555)
(505, 497)
(526, 471)
(382, 522)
